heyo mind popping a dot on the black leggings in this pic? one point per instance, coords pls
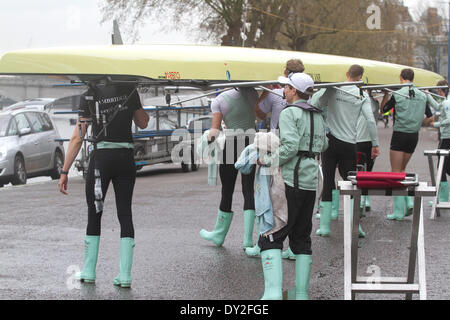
(445, 144)
(300, 210)
(366, 149)
(340, 154)
(116, 165)
(228, 175)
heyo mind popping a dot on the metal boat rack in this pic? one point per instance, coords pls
(354, 284)
(436, 179)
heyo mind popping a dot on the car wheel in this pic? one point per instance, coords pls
(58, 165)
(20, 173)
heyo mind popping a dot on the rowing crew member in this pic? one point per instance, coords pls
(303, 138)
(111, 108)
(342, 108)
(410, 106)
(274, 104)
(237, 110)
(364, 146)
(444, 127)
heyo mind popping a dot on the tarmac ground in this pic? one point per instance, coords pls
(42, 242)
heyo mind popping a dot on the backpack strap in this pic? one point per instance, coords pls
(305, 106)
(305, 154)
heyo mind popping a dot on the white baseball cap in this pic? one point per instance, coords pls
(300, 81)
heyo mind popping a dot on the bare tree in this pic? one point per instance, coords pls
(431, 38)
(325, 26)
(220, 18)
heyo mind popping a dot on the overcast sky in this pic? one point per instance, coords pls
(44, 23)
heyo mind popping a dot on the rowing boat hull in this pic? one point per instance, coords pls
(194, 62)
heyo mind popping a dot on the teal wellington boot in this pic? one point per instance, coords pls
(288, 254)
(399, 209)
(320, 209)
(325, 219)
(362, 234)
(302, 272)
(126, 261)
(273, 274)
(409, 202)
(443, 192)
(253, 251)
(223, 223)
(90, 259)
(249, 222)
(443, 195)
(362, 206)
(368, 206)
(365, 205)
(335, 205)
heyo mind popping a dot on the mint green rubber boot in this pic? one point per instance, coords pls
(443, 192)
(365, 204)
(399, 209)
(223, 223)
(273, 274)
(335, 205)
(249, 222)
(87, 274)
(368, 206)
(288, 254)
(409, 202)
(253, 252)
(320, 209)
(362, 234)
(126, 261)
(362, 206)
(302, 272)
(325, 219)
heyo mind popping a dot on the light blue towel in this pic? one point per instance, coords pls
(247, 159)
(263, 204)
(209, 153)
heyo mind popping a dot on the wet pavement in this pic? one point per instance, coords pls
(42, 242)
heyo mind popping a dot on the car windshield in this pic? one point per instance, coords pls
(4, 120)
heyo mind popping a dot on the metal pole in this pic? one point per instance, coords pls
(438, 56)
(448, 61)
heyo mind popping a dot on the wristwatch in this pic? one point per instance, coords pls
(64, 172)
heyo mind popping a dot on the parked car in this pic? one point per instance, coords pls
(41, 104)
(28, 146)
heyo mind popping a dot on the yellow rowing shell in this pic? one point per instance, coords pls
(196, 62)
